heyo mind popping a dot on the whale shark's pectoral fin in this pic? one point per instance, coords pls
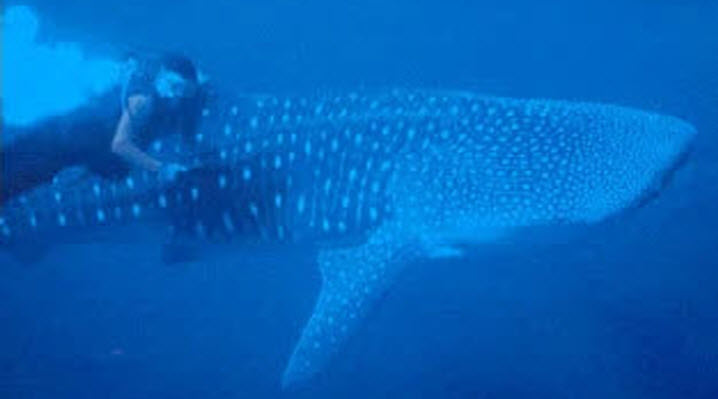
(352, 280)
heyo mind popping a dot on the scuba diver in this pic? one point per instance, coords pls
(109, 135)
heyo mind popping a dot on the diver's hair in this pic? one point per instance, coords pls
(181, 65)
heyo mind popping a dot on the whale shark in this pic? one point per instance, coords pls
(376, 182)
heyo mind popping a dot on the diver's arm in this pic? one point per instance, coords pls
(123, 143)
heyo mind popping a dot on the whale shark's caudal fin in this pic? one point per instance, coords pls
(352, 279)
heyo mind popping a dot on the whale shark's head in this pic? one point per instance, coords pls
(633, 156)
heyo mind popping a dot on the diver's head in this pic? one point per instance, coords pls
(177, 79)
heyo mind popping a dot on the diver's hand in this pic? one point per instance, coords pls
(168, 171)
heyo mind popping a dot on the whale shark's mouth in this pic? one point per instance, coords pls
(664, 178)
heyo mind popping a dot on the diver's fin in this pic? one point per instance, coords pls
(352, 279)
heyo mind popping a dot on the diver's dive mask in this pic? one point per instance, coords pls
(170, 85)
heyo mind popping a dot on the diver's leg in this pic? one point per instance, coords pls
(178, 248)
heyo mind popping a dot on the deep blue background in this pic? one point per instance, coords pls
(628, 308)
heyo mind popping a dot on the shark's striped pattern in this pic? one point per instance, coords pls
(378, 180)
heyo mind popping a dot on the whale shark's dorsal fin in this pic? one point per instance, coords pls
(352, 279)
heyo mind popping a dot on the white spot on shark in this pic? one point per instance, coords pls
(373, 214)
(228, 223)
(301, 204)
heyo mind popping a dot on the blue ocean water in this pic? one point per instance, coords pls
(624, 309)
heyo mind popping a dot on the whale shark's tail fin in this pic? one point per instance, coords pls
(352, 279)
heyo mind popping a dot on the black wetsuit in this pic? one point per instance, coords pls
(33, 155)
